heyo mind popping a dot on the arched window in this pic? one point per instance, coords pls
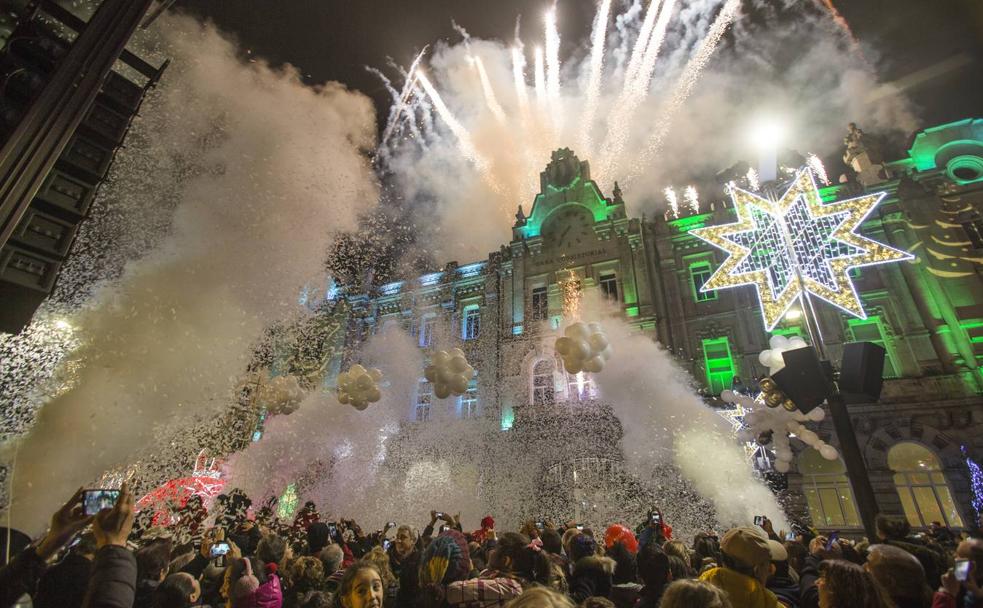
(543, 388)
(921, 485)
(827, 491)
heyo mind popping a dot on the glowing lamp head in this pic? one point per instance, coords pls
(767, 134)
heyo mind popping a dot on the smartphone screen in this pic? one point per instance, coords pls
(655, 518)
(391, 524)
(833, 536)
(962, 570)
(540, 525)
(445, 528)
(386, 544)
(759, 520)
(790, 536)
(219, 549)
(96, 500)
(440, 515)
(332, 530)
(580, 526)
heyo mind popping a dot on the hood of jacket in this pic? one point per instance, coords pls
(742, 590)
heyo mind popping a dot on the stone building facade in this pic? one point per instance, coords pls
(505, 312)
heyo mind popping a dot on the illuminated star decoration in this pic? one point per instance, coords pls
(773, 241)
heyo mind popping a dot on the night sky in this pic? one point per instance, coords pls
(335, 39)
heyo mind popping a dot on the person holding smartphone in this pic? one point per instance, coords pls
(962, 585)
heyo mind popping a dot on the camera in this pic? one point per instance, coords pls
(96, 500)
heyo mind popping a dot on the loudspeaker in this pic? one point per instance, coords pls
(804, 379)
(862, 372)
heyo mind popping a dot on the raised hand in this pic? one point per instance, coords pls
(65, 522)
(113, 526)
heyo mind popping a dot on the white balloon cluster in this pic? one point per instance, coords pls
(449, 373)
(772, 358)
(279, 395)
(781, 423)
(584, 347)
(359, 386)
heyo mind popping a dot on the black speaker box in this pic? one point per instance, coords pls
(804, 379)
(862, 372)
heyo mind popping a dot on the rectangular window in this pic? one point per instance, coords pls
(871, 329)
(719, 364)
(469, 400)
(699, 273)
(609, 286)
(540, 304)
(424, 397)
(472, 323)
(426, 331)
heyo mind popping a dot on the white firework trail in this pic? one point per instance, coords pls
(540, 65)
(403, 97)
(464, 142)
(692, 198)
(552, 57)
(519, 77)
(641, 43)
(818, 169)
(684, 86)
(490, 100)
(598, 38)
(636, 87)
(672, 200)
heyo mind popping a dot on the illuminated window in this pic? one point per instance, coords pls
(609, 286)
(871, 329)
(719, 364)
(924, 492)
(580, 386)
(543, 389)
(472, 323)
(469, 400)
(827, 491)
(540, 304)
(426, 331)
(699, 273)
(424, 397)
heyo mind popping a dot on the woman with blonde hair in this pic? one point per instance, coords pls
(540, 597)
(689, 593)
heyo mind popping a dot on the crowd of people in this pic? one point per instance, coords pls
(239, 557)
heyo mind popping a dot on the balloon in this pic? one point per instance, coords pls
(778, 342)
(598, 342)
(459, 365)
(781, 466)
(764, 357)
(450, 372)
(796, 342)
(816, 415)
(459, 384)
(828, 452)
(563, 345)
(358, 386)
(594, 365)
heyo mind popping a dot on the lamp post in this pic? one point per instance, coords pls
(767, 135)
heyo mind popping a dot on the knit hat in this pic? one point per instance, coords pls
(778, 551)
(445, 560)
(582, 546)
(618, 533)
(247, 583)
(746, 545)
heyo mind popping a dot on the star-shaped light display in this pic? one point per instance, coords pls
(774, 243)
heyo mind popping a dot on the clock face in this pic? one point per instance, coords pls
(569, 228)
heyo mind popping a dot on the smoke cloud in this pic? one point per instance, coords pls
(262, 170)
